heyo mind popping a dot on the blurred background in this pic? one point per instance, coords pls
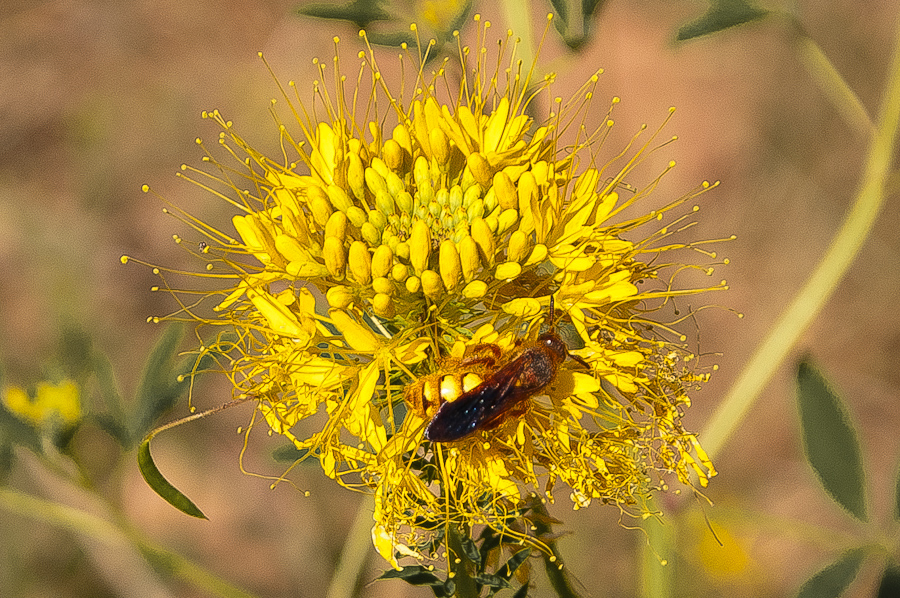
(98, 98)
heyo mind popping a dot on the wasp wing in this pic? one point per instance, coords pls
(485, 403)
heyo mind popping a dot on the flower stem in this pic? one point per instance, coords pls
(834, 264)
(830, 83)
(465, 584)
(97, 528)
(555, 568)
(353, 556)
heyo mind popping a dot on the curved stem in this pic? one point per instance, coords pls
(97, 528)
(845, 246)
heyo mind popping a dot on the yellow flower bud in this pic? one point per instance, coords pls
(506, 220)
(335, 258)
(538, 254)
(358, 336)
(395, 184)
(318, 204)
(356, 176)
(527, 190)
(336, 226)
(518, 246)
(375, 182)
(468, 255)
(413, 284)
(370, 233)
(383, 285)
(449, 264)
(440, 146)
(480, 168)
(392, 154)
(405, 202)
(356, 215)
(402, 137)
(419, 246)
(339, 296)
(360, 263)
(505, 191)
(382, 261)
(384, 202)
(508, 271)
(378, 219)
(484, 238)
(402, 250)
(339, 198)
(431, 285)
(475, 289)
(399, 272)
(383, 305)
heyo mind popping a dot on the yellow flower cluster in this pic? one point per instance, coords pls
(57, 404)
(448, 222)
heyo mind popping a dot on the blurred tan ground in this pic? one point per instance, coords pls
(98, 98)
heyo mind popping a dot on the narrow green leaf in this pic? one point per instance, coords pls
(415, 575)
(161, 485)
(722, 14)
(158, 389)
(164, 381)
(890, 583)
(830, 441)
(492, 581)
(471, 551)
(831, 581)
(514, 562)
(575, 26)
(358, 12)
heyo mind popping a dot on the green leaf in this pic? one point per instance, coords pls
(830, 441)
(521, 592)
(492, 581)
(358, 12)
(722, 14)
(164, 381)
(890, 583)
(470, 549)
(158, 390)
(415, 575)
(514, 562)
(289, 453)
(575, 26)
(15, 431)
(831, 581)
(161, 485)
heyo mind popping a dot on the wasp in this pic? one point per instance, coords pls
(488, 392)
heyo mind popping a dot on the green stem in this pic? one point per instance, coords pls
(353, 556)
(518, 18)
(462, 573)
(553, 563)
(97, 528)
(832, 85)
(657, 574)
(787, 329)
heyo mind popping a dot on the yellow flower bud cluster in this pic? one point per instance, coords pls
(450, 206)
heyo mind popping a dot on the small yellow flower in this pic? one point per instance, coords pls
(383, 251)
(52, 403)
